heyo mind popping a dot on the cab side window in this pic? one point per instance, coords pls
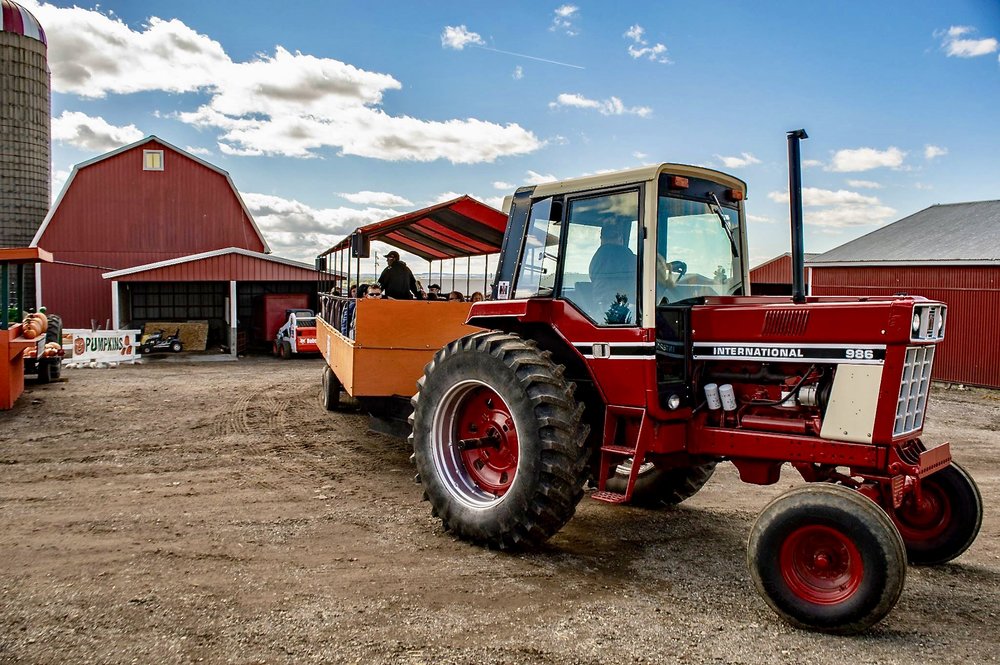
(540, 254)
(600, 270)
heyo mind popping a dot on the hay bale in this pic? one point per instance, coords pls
(193, 334)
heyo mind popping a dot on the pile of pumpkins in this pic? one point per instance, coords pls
(35, 324)
(50, 350)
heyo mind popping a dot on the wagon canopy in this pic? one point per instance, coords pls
(457, 228)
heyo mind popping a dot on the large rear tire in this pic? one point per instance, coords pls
(945, 522)
(827, 558)
(662, 487)
(498, 441)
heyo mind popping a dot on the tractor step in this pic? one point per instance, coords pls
(608, 497)
(618, 450)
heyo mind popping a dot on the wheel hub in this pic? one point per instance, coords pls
(821, 565)
(486, 436)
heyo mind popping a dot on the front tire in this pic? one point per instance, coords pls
(947, 519)
(498, 441)
(827, 558)
(176, 347)
(286, 351)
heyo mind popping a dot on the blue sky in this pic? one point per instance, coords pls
(333, 114)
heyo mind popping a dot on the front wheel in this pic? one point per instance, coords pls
(498, 440)
(827, 558)
(286, 351)
(176, 347)
(945, 521)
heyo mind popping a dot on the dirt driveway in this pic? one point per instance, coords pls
(215, 512)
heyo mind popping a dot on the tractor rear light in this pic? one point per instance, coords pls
(679, 182)
(734, 194)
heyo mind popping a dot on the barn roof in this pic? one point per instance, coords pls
(952, 233)
(456, 228)
(777, 270)
(124, 148)
(229, 264)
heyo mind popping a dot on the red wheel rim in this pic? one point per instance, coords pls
(821, 565)
(927, 519)
(484, 422)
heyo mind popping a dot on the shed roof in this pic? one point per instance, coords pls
(456, 228)
(229, 264)
(951, 233)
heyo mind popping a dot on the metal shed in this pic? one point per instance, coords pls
(774, 277)
(143, 203)
(220, 286)
(948, 252)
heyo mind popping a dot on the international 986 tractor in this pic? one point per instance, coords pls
(621, 349)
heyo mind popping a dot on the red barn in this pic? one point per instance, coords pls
(141, 204)
(774, 277)
(946, 252)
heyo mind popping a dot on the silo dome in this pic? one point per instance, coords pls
(25, 129)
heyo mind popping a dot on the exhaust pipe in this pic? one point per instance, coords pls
(795, 205)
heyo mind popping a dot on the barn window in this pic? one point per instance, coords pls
(152, 160)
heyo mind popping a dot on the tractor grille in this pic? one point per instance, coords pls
(913, 389)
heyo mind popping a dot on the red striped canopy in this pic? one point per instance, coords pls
(456, 228)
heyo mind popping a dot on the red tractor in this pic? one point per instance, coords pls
(622, 349)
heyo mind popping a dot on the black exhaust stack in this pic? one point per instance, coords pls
(795, 205)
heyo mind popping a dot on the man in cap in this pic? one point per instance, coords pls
(397, 281)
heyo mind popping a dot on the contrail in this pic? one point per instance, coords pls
(529, 57)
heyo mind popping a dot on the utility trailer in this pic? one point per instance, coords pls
(622, 348)
(376, 349)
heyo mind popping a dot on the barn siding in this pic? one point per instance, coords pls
(115, 215)
(970, 352)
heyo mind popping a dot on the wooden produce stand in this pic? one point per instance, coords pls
(12, 344)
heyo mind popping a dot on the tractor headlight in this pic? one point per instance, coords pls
(939, 328)
(916, 324)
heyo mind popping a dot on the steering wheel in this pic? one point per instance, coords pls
(678, 267)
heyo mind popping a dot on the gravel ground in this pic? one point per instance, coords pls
(214, 512)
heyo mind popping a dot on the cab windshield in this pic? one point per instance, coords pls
(694, 252)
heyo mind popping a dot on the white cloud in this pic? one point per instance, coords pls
(89, 133)
(59, 178)
(864, 184)
(565, 20)
(299, 231)
(866, 159)
(198, 151)
(458, 37)
(610, 106)
(838, 209)
(811, 163)
(640, 48)
(746, 159)
(932, 151)
(641, 156)
(445, 196)
(382, 199)
(758, 219)
(535, 178)
(288, 104)
(505, 186)
(814, 196)
(518, 73)
(956, 44)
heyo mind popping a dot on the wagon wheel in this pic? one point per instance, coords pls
(827, 558)
(498, 440)
(331, 389)
(945, 521)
